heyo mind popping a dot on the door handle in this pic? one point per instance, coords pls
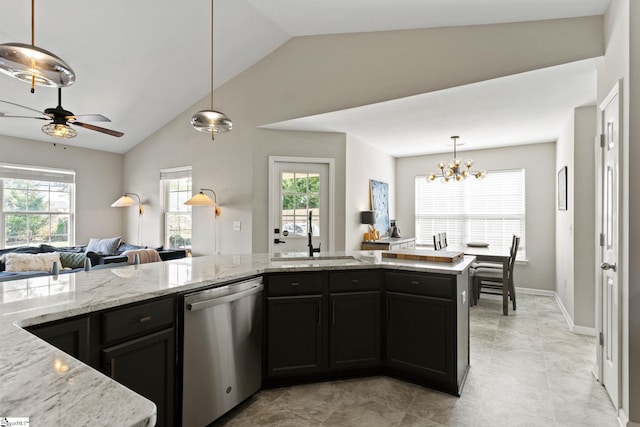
(278, 241)
(607, 266)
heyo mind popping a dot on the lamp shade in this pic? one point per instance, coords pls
(200, 199)
(368, 217)
(124, 202)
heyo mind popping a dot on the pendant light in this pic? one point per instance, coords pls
(34, 65)
(211, 121)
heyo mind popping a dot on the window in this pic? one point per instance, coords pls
(300, 194)
(490, 210)
(37, 206)
(176, 185)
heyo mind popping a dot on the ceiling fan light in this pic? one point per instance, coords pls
(211, 121)
(26, 62)
(58, 130)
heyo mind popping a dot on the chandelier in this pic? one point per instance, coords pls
(455, 171)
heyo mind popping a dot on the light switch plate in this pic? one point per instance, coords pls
(237, 225)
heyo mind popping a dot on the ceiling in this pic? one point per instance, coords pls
(133, 62)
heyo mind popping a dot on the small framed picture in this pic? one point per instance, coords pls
(562, 189)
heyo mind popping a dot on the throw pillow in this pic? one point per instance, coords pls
(104, 246)
(72, 259)
(31, 262)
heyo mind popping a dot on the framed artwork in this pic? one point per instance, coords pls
(562, 189)
(379, 197)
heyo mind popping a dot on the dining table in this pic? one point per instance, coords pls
(490, 253)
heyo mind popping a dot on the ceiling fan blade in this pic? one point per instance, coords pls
(22, 106)
(22, 117)
(91, 118)
(98, 129)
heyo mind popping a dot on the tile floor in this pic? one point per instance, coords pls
(527, 369)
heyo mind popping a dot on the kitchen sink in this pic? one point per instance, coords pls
(316, 260)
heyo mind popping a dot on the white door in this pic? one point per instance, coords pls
(608, 201)
(299, 187)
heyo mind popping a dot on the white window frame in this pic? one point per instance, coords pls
(37, 173)
(166, 175)
(439, 206)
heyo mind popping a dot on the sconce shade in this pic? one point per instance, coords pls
(124, 202)
(200, 199)
(368, 217)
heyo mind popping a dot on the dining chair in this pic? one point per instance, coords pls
(490, 278)
(437, 243)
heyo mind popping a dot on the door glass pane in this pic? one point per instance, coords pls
(300, 194)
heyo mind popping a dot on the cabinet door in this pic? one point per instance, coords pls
(147, 366)
(355, 329)
(295, 335)
(421, 336)
(70, 336)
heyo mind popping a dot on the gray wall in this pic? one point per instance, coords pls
(538, 160)
(309, 75)
(575, 227)
(98, 181)
(363, 164)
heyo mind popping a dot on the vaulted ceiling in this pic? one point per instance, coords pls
(142, 63)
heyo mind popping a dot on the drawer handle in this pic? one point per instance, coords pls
(144, 319)
(355, 281)
(295, 283)
(415, 282)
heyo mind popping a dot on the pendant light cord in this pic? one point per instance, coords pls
(33, 43)
(212, 1)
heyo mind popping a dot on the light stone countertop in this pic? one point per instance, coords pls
(52, 388)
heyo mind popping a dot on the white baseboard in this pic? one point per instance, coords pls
(532, 291)
(580, 330)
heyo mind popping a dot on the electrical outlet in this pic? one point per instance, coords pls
(463, 297)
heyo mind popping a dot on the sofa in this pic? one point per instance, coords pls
(102, 253)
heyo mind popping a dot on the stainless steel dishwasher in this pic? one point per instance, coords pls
(222, 360)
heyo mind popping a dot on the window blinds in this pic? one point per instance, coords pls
(176, 173)
(490, 210)
(36, 173)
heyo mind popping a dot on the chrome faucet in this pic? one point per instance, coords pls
(312, 250)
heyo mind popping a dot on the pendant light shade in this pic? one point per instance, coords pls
(211, 121)
(59, 130)
(32, 64)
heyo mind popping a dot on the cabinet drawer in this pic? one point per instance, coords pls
(421, 284)
(131, 321)
(350, 281)
(295, 284)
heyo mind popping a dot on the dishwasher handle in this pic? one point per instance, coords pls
(195, 306)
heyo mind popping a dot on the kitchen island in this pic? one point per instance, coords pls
(52, 388)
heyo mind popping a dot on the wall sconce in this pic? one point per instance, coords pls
(126, 201)
(202, 199)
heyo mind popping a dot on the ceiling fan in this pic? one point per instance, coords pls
(61, 119)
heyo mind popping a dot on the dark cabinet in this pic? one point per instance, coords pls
(133, 344)
(354, 331)
(295, 333)
(139, 351)
(420, 335)
(146, 365)
(70, 336)
(295, 324)
(427, 328)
